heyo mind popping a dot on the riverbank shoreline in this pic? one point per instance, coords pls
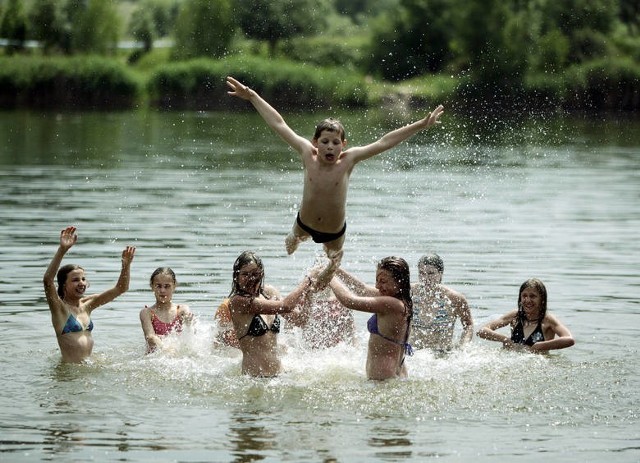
(100, 83)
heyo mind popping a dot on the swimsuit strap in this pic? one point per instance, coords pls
(372, 326)
(408, 349)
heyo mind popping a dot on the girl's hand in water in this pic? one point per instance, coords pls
(186, 316)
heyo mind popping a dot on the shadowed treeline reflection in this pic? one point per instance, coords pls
(220, 140)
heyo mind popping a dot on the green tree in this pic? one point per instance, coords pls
(98, 28)
(165, 14)
(495, 47)
(630, 15)
(46, 24)
(412, 42)
(142, 27)
(275, 20)
(204, 28)
(72, 11)
(13, 26)
(586, 24)
(359, 10)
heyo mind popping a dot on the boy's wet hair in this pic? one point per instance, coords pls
(332, 125)
(432, 259)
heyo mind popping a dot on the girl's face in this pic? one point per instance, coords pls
(76, 284)
(330, 146)
(531, 301)
(163, 287)
(429, 275)
(249, 278)
(386, 284)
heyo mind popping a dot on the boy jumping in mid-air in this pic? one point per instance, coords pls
(327, 169)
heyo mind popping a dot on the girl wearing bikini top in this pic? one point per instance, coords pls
(532, 327)
(390, 303)
(163, 317)
(70, 308)
(255, 313)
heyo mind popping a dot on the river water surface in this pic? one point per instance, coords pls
(500, 201)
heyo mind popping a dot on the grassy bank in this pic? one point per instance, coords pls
(91, 82)
(200, 84)
(68, 83)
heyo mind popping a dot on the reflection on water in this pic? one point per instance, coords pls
(556, 199)
(387, 439)
(62, 441)
(250, 436)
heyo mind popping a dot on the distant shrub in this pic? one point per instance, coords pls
(551, 53)
(325, 51)
(608, 83)
(200, 84)
(604, 84)
(545, 90)
(70, 83)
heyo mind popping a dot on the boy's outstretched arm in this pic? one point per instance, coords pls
(269, 114)
(395, 137)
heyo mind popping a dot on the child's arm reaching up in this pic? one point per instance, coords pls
(395, 137)
(270, 115)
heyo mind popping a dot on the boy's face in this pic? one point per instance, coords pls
(429, 275)
(329, 145)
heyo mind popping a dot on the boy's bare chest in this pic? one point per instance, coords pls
(327, 178)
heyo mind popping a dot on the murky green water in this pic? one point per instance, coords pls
(500, 200)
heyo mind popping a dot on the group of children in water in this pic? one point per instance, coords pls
(402, 314)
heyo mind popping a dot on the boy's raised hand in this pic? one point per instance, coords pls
(433, 116)
(238, 89)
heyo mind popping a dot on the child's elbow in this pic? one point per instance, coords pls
(122, 288)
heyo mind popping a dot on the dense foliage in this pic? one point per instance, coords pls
(203, 28)
(575, 53)
(201, 84)
(87, 82)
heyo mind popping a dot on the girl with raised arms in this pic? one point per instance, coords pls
(70, 308)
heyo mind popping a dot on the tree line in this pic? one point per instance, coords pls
(500, 46)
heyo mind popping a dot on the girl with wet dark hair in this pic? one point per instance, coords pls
(389, 326)
(256, 315)
(532, 327)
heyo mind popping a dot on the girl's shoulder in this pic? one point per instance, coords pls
(390, 305)
(510, 317)
(240, 301)
(271, 292)
(146, 310)
(550, 319)
(222, 312)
